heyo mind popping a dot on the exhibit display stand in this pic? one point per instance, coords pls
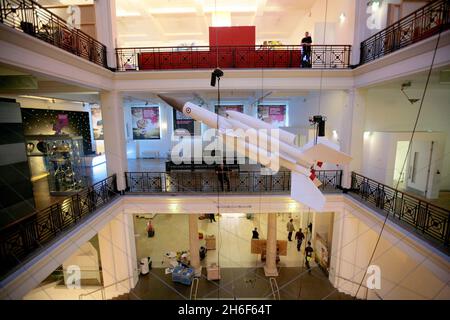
(210, 242)
(63, 160)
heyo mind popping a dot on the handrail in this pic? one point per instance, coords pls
(235, 181)
(365, 287)
(39, 22)
(425, 22)
(427, 218)
(22, 238)
(102, 289)
(239, 56)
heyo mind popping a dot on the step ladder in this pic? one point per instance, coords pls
(194, 289)
(275, 289)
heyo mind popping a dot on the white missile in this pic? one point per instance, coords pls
(298, 160)
(259, 124)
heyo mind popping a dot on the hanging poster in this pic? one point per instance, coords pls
(182, 122)
(145, 123)
(97, 123)
(273, 114)
(220, 110)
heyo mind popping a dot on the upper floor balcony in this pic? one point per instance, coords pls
(33, 19)
(421, 24)
(240, 57)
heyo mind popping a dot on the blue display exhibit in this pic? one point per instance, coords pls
(183, 275)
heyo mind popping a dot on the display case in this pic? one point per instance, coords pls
(63, 158)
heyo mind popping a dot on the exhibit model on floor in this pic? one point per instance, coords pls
(301, 161)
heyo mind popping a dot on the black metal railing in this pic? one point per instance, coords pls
(198, 57)
(426, 218)
(234, 182)
(421, 24)
(25, 236)
(35, 20)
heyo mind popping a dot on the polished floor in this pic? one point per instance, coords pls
(239, 283)
(233, 234)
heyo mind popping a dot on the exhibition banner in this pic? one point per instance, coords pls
(220, 110)
(273, 114)
(145, 122)
(182, 122)
(97, 123)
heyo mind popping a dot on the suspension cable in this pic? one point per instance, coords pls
(407, 153)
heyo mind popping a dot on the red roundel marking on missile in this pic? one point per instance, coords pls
(312, 176)
(188, 110)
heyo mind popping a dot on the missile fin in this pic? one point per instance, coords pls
(304, 191)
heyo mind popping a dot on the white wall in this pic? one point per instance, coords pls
(337, 32)
(379, 155)
(389, 110)
(409, 268)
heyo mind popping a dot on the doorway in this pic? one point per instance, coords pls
(400, 157)
(419, 166)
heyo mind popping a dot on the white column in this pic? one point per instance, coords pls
(270, 268)
(114, 134)
(105, 24)
(353, 132)
(118, 255)
(194, 245)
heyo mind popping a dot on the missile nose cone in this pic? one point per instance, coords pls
(174, 103)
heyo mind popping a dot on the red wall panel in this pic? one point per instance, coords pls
(232, 36)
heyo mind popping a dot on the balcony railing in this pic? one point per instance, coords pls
(426, 218)
(204, 57)
(421, 24)
(35, 20)
(234, 182)
(25, 236)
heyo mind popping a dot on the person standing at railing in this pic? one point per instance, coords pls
(222, 174)
(306, 51)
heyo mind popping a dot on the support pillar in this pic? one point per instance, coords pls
(353, 133)
(118, 256)
(270, 269)
(194, 245)
(114, 135)
(105, 24)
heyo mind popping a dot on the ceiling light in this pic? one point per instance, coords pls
(233, 215)
(375, 6)
(221, 19)
(230, 8)
(124, 13)
(172, 10)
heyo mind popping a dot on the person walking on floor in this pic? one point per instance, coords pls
(255, 234)
(290, 229)
(310, 231)
(299, 236)
(308, 256)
